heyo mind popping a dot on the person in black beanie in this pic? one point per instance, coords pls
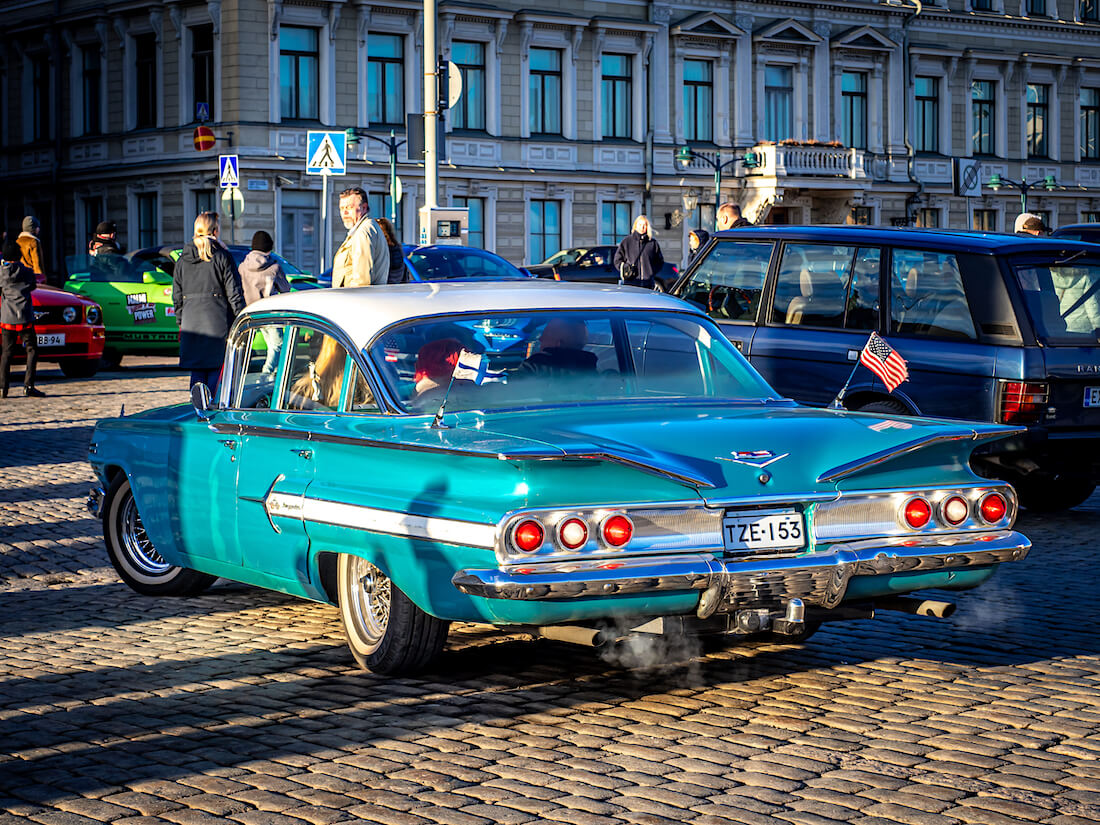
(261, 277)
(103, 242)
(17, 317)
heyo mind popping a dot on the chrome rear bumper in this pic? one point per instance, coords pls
(819, 578)
(95, 501)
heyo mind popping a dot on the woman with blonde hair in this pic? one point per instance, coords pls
(638, 258)
(206, 291)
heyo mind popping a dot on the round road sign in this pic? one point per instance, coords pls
(232, 203)
(204, 138)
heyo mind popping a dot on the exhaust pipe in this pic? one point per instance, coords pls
(917, 607)
(571, 634)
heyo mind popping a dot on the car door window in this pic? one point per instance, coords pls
(728, 283)
(258, 358)
(812, 284)
(360, 397)
(315, 372)
(927, 297)
(861, 307)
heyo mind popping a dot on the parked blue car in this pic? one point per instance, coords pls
(997, 328)
(441, 262)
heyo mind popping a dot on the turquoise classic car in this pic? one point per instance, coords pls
(587, 462)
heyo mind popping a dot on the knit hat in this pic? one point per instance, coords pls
(262, 241)
(30, 223)
(105, 228)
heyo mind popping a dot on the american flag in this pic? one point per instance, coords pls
(884, 361)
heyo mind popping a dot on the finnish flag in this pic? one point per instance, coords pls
(472, 366)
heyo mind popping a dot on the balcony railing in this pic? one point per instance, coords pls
(793, 160)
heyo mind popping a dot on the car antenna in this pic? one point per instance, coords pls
(122, 412)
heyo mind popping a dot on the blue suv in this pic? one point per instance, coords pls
(999, 328)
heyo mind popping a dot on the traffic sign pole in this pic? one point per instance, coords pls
(326, 227)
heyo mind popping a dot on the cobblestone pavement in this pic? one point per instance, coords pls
(243, 706)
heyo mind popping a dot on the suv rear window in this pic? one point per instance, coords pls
(827, 286)
(727, 283)
(927, 297)
(1062, 300)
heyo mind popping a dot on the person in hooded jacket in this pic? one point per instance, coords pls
(638, 257)
(206, 292)
(697, 239)
(261, 277)
(17, 317)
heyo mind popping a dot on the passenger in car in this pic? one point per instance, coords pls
(561, 350)
(318, 387)
(435, 363)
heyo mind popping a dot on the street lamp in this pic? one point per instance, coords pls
(685, 155)
(354, 136)
(996, 182)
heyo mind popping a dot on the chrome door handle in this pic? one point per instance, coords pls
(306, 454)
(230, 443)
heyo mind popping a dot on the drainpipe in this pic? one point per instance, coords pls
(57, 218)
(908, 71)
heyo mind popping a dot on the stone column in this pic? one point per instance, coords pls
(659, 75)
(822, 89)
(744, 131)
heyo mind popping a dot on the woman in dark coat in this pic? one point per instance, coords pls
(397, 273)
(206, 291)
(638, 258)
(17, 317)
(697, 239)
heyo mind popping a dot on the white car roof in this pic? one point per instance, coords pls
(363, 311)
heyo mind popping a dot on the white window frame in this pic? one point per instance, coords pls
(82, 231)
(1087, 81)
(616, 42)
(313, 18)
(133, 230)
(873, 67)
(1049, 78)
(563, 195)
(1000, 100)
(488, 194)
(412, 68)
(77, 126)
(800, 101)
(935, 68)
(129, 76)
(997, 206)
(543, 37)
(193, 17)
(491, 35)
(611, 195)
(720, 58)
(27, 92)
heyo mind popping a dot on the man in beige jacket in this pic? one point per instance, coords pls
(363, 259)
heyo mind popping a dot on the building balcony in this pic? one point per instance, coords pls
(808, 161)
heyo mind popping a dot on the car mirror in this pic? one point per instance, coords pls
(200, 400)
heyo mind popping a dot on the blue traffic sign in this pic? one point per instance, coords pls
(202, 112)
(326, 153)
(229, 171)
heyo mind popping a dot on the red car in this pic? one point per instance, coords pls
(70, 331)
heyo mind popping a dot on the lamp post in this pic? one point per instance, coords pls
(1048, 183)
(685, 155)
(393, 144)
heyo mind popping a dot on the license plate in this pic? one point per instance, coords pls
(1092, 397)
(56, 339)
(774, 530)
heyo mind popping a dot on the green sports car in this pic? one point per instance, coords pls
(135, 292)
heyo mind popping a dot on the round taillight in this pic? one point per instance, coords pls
(528, 535)
(917, 513)
(993, 507)
(617, 530)
(572, 533)
(955, 510)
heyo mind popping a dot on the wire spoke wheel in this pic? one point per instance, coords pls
(369, 602)
(137, 544)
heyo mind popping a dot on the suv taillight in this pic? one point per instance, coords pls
(1022, 402)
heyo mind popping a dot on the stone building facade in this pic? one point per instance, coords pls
(570, 119)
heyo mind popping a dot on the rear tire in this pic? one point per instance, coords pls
(1049, 495)
(79, 368)
(133, 555)
(386, 632)
(111, 359)
(886, 406)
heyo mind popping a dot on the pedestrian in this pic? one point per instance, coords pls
(398, 273)
(30, 247)
(261, 277)
(363, 258)
(638, 258)
(103, 241)
(730, 217)
(17, 317)
(206, 292)
(697, 239)
(1027, 223)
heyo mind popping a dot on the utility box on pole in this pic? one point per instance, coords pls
(448, 225)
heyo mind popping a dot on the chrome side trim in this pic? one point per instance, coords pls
(819, 579)
(852, 467)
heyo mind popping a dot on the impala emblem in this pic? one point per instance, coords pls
(754, 458)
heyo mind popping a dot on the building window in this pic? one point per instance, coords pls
(1090, 124)
(1037, 8)
(1090, 11)
(853, 91)
(615, 220)
(927, 114)
(380, 204)
(470, 59)
(202, 67)
(1090, 217)
(615, 90)
(985, 220)
(91, 213)
(1038, 105)
(145, 64)
(928, 218)
(386, 79)
(544, 91)
(40, 97)
(147, 219)
(861, 216)
(981, 5)
(543, 229)
(984, 106)
(778, 102)
(698, 100)
(206, 200)
(475, 227)
(298, 83)
(90, 85)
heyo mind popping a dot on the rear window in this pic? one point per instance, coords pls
(1062, 300)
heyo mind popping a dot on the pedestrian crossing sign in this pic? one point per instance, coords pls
(229, 171)
(326, 153)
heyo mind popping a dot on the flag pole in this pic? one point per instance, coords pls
(437, 422)
(836, 404)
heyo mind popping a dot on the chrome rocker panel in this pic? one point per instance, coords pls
(819, 579)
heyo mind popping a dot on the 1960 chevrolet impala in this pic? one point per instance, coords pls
(566, 458)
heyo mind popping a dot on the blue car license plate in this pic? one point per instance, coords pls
(763, 530)
(1092, 397)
